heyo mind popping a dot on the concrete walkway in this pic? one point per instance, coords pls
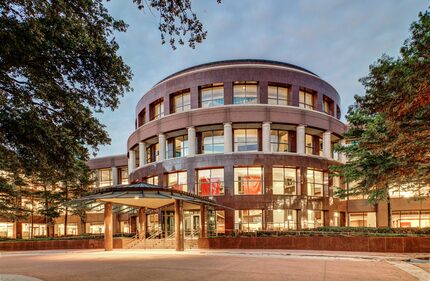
(210, 265)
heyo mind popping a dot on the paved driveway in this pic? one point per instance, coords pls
(194, 265)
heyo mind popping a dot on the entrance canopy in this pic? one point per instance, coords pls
(146, 195)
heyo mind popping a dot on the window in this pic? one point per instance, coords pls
(248, 220)
(177, 146)
(157, 110)
(284, 220)
(152, 153)
(6, 230)
(334, 185)
(245, 92)
(245, 140)
(284, 180)
(336, 219)
(315, 219)
(181, 102)
(367, 219)
(141, 118)
(212, 142)
(277, 95)
(210, 182)
(248, 180)
(315, 180)
(314, 145)
(72, 229)
(95, 228)
(279, 140)
(152, 180)
(123, 172)
(37, 231)
(212, 95)
(177, 180)
(306, 99)
(105, 177)
(220, 222)
(124, 226)
(410, 218)
(328, 106)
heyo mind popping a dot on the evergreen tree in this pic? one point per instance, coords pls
(389, 127)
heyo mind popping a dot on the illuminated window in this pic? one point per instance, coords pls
(123, 172)
(367, 219)
(177, 180)
(105, 177)
(410, 219)
(212, 95)
(277, 95)
(307, 99)
(328, 106)
(314, 145)
(177, 146)
(245, 92)
(6, 230)
(151, 180)
(95, 228)
(315, 219)
(283, 220)
(336, 219)
(124, 226)
(181, 102)
(152, 153)
(315, 181)
(248, 180)
(248, 220)
(38, 230)
(210, 182)
(279, 140)
(220, 222)
(245, 140)
(212, 142)
(285, 180)
(157, 110)
(72, 229)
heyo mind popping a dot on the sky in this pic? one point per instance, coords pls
(336, 39)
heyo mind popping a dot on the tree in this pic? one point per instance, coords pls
(59, 65)
(390, 125)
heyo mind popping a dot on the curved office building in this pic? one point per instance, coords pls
(256, 136)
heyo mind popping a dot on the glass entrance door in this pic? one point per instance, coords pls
(192, 224)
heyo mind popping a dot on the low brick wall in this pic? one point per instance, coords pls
(356, 244)
(118, 243)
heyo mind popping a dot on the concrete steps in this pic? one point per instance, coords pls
(162, 244)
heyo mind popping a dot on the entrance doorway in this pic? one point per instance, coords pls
(192, 224)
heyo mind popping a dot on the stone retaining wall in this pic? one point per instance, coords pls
(58, 244)
(358, 244)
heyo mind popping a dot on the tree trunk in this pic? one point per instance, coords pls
(389, 211)
(65, 213)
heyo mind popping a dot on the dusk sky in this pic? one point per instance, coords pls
(335, 39)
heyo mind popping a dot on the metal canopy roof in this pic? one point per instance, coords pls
(145, 195)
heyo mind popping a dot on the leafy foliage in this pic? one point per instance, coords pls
(390, 125)
(59, 64)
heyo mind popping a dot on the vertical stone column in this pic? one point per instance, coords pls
(108, 227)
(300, 138)
(203, 229)
(266, 137)
(263, 92)
(293, 97)
(228, 138)
(97, 173)
(228, 93)
(162, 146)
(142, 223)
(327, 145)
(131, 161)
(114, 176)
(142, 154)
(191, 141)
(179, 227)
